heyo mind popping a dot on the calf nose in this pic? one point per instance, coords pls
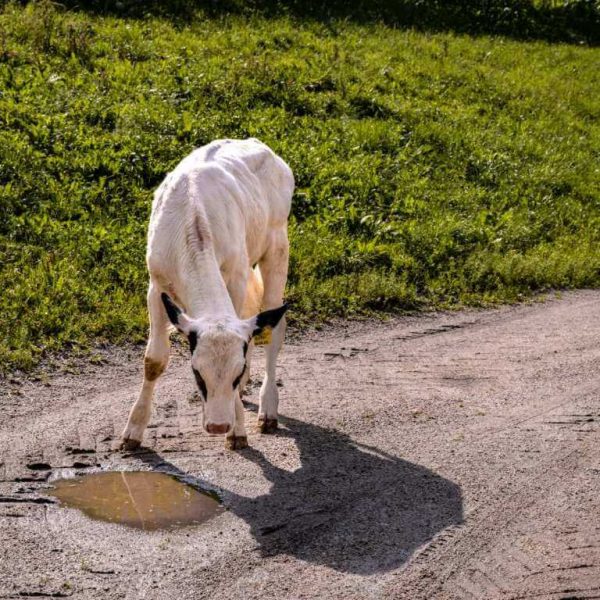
(217, 428)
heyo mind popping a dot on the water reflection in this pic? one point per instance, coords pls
(144, 500)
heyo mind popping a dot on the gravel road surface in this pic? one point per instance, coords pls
(449, 455)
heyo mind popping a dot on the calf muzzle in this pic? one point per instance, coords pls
(218, 428)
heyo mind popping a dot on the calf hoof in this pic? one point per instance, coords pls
(130, 444)
(267, 425)
(236, 442)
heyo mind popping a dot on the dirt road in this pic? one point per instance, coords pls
(442, 456)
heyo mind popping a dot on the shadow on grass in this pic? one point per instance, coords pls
(353, 508)
(563, 20)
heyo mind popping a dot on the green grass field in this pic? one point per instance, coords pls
(433, 169)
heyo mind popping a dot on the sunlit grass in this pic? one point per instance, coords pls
(432, 170)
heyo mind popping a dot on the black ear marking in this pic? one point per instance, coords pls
(269, 318)
(193, 339)
(173, 311)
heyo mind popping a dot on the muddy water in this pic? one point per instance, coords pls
(144, 500)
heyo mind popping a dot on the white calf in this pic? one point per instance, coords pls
(221, 211)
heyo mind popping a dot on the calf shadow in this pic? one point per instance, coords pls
(351, 507)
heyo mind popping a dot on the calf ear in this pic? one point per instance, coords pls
(176, 315)
(267, 319)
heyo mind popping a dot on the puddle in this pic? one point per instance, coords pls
(140, 499)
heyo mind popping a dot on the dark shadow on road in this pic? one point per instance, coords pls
(353, 508)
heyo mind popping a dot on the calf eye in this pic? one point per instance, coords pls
(237, 380)
(201, 384)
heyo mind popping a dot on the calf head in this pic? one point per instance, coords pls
(218, 347)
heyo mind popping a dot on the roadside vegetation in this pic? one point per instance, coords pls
(433, 168)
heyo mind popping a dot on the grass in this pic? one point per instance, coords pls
(433, 169)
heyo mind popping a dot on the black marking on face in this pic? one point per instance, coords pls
(237, 380)
(193, 339)
(201, 384)
(173, 311)
(269, 318)
(245, 349)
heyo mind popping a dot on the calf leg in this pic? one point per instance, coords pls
(246, 376)
(252, 306)
(273, 268)
(237, 438)
(155, 362)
